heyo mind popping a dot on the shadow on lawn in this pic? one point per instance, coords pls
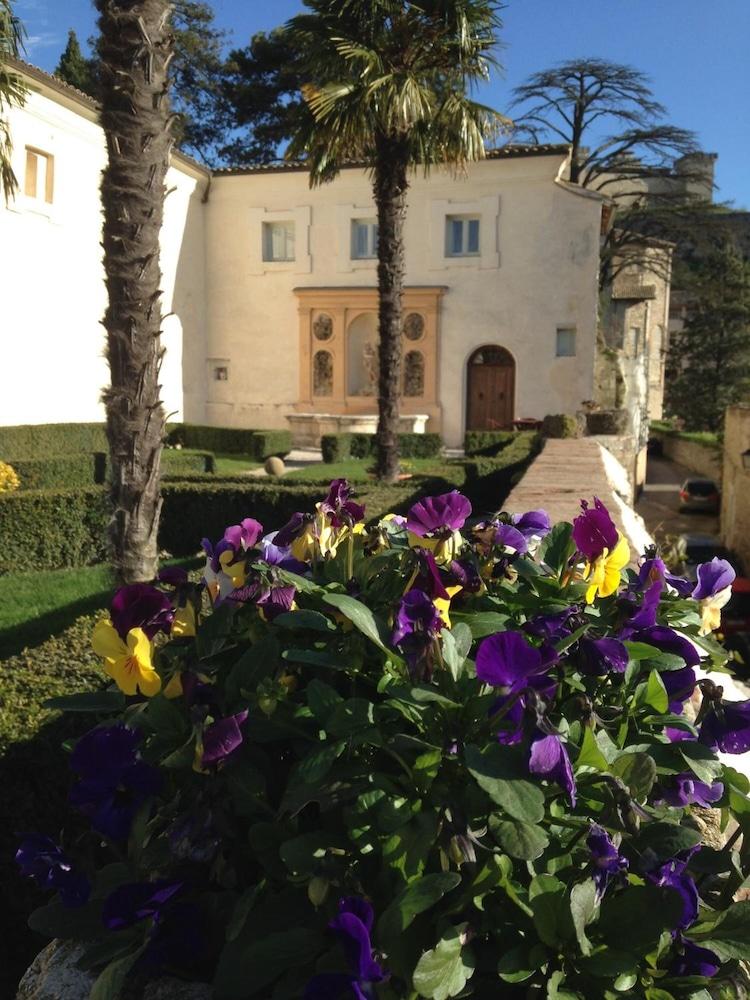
(32, 633)
(35, 778)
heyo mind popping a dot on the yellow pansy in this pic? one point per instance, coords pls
(128, 663)
(235, 571)
(184, 623)
(443, 605)
(711, 610)
(604, 575)
(444, 550)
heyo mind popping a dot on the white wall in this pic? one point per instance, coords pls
(52, 290)
(537, 271)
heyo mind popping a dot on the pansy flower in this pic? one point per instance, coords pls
(427, 578)
(726, 727)
(43, 860)
(534, 525)
(113, 780)
(275, 554)
(673, 874)
(500, 535)
(548, 758)
(352, 927)
(435, 523)
(221, 739)
(136, 901)
(128, 661)
(417, 626)
(141, 606)
(608, 864)
(598, 657)
(339, 508)
(607, 551)
(226, 562)
(694, 960)
(712, 591)
(683, 790)
(654, 570)
(509, 662)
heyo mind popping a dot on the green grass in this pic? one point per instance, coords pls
(359, 470)
(699, 437)
(231, 465)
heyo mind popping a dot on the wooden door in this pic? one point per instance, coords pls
(490, 390)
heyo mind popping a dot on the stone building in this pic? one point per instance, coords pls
(270, 288)
(735, 483)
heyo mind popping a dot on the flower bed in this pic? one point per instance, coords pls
(435, 757)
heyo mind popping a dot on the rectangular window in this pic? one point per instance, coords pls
(278, 241)
(364, 239)
(462, 236)
(566, 343)
(633, 346)
(40, 175)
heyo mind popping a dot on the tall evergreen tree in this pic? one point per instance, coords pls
(12, 92)
(389, 85)
(75, 69)
(134, 50)
(709, 359)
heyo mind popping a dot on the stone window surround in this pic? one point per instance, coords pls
(301, 216)
(343, 305)
(487, 209)
(345, 216)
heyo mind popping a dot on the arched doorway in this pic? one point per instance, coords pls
(490, 390)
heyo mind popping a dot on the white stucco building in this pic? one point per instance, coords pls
(270, 287)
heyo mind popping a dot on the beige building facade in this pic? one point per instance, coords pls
(270, 288)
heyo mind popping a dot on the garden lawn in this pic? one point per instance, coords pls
(232, 465)
(359, 470)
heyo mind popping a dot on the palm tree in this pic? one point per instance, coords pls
(390, 85)
(134, 48)
(12, 92)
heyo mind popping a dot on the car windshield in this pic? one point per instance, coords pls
(700, 488)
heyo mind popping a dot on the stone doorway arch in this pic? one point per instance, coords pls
(490, 389)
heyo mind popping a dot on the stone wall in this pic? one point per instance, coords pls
(704, 459)
(735, 504)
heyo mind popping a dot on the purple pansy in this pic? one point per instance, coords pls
(296, 525)
(274, 554)
(673, 875)
(193, 837)
(222, 738)
(136, 901)
(693, 960)
(680, 685)
(501, 535)
(667, 640)
(509, 662)
(713, 577)
(352, 926)
(114, 781)
(276, 599)
(686, 790)
(439, 516)
(178, 938)
(598, 657)
(655, 570)
(428, 578)
(551, 627)
(549, 759)
(139, 605)
(594, 530)
(43, 860)
(609, 865)
(245, 535)
(726, 727)
(418, 623)
(173, 576)
(534, 525)
(465, 573)
(339, 508)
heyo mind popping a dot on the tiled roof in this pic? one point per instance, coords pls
(508, 152)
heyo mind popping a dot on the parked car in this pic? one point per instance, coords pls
(700, 495)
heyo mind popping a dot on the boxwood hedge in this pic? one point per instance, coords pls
(340, 447)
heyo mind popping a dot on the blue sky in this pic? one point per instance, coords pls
(695, 51)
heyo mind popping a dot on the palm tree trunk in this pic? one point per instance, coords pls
(134, 49)
(390, 187)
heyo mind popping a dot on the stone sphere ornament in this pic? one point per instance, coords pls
(275, 466)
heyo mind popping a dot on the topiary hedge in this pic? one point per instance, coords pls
(227, 440)
(489, 479)
(487, 442)
(58, 472)
(340, 447)
(564, 425)
(43, 440)
(267, 443)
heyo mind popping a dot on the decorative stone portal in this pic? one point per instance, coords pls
(339, 356)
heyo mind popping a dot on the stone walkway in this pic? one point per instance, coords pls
(568, 470)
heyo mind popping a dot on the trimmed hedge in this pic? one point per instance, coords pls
(487, 442)
(232, 440)
(183, 462)
(43, 440)
(340, 447)
(490, 479)
(267, 443)
(62, 471)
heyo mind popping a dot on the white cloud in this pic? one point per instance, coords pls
(42, 40)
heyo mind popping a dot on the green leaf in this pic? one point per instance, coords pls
(500, 772)
(521, 840)
(590, 755)
(322, 699)
(666, 840)
(729, 937)
(111, 980)
(417, 897)
(316, 765)
(80, 923)
(242, 908)
(444, 971)
(313, 621)
(625, 982)
(425, 769)
(640, 650)
(583, 907)
(452, 656)
(485, 623)
(249, 963)
(100, 702)
(637, 771)
(633, 920)
(558, 547)
(654, 993)
(303, 854)
(551, 911)
(656, 694)
(701, 760)
(520, 963)
(361, 618)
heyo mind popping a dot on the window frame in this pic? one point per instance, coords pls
(371, 225)
(573, 335)
(466, 220)
(267, 230)
(49, 176)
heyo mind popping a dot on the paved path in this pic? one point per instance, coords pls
(659, 503)
(298, 458)
(569, 470)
